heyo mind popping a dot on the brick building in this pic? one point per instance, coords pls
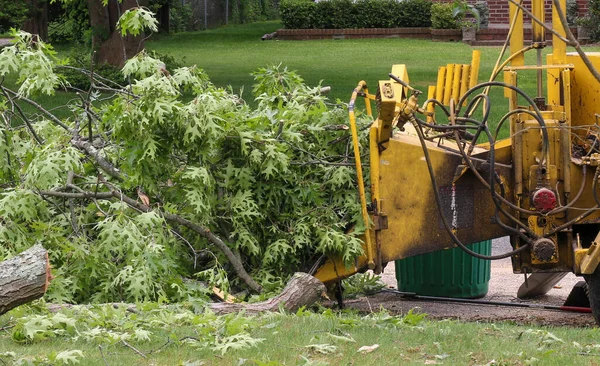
(499, 9)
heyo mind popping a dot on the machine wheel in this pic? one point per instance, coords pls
(593, 291)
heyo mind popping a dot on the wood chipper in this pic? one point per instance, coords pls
(434, 186)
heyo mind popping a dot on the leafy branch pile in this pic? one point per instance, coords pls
(140, 189)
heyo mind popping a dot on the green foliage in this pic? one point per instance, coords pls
(32, 61)
(442, 16)
(249, 11)
(336, 14)
(12, 14)
(594, 14)
(71, 24)
(273, 182)
(135, 20)
(362, 284)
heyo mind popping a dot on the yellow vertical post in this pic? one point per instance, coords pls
(516, 37)
(559, 48)
(359, 176)
(538, 32)
(474, 75)
(374, 157)
(439, 88)
(448, 84)
(430, 107)
(368, 102)
(456, 81)
(464, 82)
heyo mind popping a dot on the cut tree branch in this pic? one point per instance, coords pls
(198, 229)
(104, 164)
(24, 278)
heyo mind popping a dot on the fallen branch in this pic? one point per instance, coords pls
(302, 290)
(24, 278)
(201, 230)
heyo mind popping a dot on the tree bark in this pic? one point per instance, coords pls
(302, 290)
(37, 21)
(24, 278)
(111, 48)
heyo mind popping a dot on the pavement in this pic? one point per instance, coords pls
(5, 41)
(503, 286)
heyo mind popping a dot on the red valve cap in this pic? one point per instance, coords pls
(544, 200)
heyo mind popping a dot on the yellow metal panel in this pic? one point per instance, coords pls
(585, 92)
(474, 75)
(401, 72)
(516, 38)
(414, 225)
(448, 84)
(439, 89)
(553, 82)
(456, 82)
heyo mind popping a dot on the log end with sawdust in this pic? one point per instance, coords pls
(302, 290)
(24, 278)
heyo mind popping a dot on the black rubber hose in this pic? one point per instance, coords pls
(438, 200)
(583, 215)
(538, 114)
(490, 184)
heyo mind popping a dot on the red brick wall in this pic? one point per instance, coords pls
(499, 9)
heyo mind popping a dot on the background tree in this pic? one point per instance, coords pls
(37, 18)
(113, 46)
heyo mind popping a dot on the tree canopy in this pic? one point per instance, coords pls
(145, 189)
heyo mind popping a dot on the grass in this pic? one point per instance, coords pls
(307, 339)
(230, 54)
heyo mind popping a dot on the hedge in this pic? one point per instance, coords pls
(337, 14)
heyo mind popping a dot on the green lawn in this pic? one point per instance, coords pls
(230, 54)
(174, 337)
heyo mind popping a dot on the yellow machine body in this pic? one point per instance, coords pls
(404, 214)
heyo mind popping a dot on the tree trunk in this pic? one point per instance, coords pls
(24, 278)
(302, 290)
(111, 48)
(37, 21)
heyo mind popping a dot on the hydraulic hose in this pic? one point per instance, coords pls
(438, 200)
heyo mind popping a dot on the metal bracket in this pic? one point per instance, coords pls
(590, 261)
(380, 222)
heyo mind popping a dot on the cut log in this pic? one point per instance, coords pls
(24, 278)
(302, 290)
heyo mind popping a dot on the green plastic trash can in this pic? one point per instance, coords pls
(447, 273)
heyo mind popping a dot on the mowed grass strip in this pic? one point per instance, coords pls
(329, 338)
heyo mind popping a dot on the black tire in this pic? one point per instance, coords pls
(593, 291)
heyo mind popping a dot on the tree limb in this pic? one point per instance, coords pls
(198, 229)
(105, 165)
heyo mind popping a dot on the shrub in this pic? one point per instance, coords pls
(12, 14)
(442, 18)
(337, 14)
(594, 13)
